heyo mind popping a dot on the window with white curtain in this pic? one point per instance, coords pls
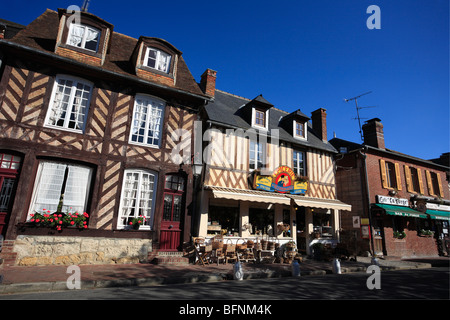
(69, 103)
(157, 59)
(147, 117)
(137, 199)
(61, 187)
(83, 36)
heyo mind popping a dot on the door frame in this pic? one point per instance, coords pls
(171, 232)
(9, 173)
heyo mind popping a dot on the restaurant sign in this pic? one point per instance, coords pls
(283, 180)
(392, 201)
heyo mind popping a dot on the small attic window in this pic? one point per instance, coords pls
(157, 59)
(83, 36)
(300, 129)
(259, 118)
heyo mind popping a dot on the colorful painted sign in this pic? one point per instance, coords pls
(283, 180)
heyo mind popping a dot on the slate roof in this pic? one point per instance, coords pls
(41, 35)
(226, 109)
(352, 146)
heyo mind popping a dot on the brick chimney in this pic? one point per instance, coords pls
(208, 82)
(319, 123)
(373, 133)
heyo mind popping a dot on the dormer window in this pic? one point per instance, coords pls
(296, 123)
(84, 37)
(299, 129)
(157, 59)
(256, 113)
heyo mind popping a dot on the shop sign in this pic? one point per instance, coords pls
(393, 201)
(282, 180)
(436, 206)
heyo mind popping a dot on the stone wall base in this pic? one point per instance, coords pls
(33, 250)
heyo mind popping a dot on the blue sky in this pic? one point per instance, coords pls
(307, 54)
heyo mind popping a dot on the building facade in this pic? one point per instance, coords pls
(87, 122)
(269, 174)
(400, 204)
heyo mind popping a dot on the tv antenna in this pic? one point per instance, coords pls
(357, 110)
(85, 6)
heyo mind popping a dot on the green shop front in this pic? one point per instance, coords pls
(402, 228)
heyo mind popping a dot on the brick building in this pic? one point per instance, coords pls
(400, 203)
(87, 117)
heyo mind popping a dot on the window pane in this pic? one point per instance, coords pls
(76, 191)
(76, 35)
(176, 208)
(167, 214)
(5, 193)
(163, 62)
(48, 186)
(151, 62)
(92, 38)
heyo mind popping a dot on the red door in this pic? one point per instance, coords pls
(9, 166)
(171, 232)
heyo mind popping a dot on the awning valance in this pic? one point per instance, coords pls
(277, 198)
(402, 211)
(320, 203)
(439, 215)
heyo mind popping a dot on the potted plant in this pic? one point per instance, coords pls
(399, 235)
(135, 223)
(58, 220)
(426, 233)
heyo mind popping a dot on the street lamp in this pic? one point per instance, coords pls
(197, 168)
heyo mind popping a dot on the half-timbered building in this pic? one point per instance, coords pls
(269, 174)
(86, 122)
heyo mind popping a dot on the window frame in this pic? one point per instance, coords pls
(258, 149)
(434, 184)
(159, 53)
(83, 40)
(296, 164)
(266, 118)
(413, 177)
(390, 175)
(160, 103)
(70, 104)
(148, 225)
(304, 127)
(37, 186)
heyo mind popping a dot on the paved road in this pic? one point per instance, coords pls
(401, 284)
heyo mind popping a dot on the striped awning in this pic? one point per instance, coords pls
(277, 198)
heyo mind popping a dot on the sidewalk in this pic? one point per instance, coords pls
(54, 278)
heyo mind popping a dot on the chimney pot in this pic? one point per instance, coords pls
(208, 82)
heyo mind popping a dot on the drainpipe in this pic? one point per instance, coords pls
(364, 156)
